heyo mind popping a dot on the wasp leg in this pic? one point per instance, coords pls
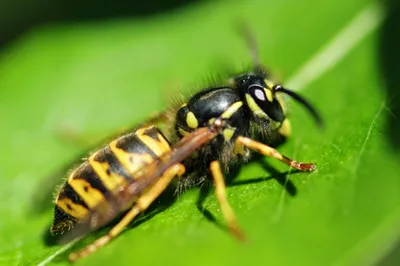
(268, 151)
(141, 205)
(220, 192)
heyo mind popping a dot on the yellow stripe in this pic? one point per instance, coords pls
(254, 107)
(110, 181)
(191, 120)
(183, 132)
(228, 133)
(270, 97)
(73, 209)
(260, 113)
(130, 161)
(159, 146)
(89, 195)
(232, 109)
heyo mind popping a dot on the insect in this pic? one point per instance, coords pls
(215, 129)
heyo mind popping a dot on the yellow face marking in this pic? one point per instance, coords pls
(231, 110)
(191, 120)
(254, 107)
(69, 207)
(228, 133)
(130, 161)
(183, 132)
(110, 181)
(159, 146)
(268, 92)
(183, 105)
(89, 195)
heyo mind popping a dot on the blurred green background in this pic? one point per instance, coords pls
(89, 69)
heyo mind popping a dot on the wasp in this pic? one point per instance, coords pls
(216, 128)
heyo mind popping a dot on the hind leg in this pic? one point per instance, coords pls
(141, 205)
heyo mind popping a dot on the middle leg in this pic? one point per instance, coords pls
(220, 192)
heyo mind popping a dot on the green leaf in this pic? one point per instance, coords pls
(93, 79)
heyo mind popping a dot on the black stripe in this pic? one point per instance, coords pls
(68, 192)
(87, 173)
(107, 156)
(155, 133)
(132, 144)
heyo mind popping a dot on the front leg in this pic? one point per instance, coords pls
(271, 152)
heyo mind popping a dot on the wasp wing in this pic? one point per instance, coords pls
(123, 197)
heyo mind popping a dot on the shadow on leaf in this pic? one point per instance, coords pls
(389, 53)
(281, 178)
(390, 67)
(168, 197)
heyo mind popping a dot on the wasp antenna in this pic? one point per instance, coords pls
(246, 32)
(301, 100)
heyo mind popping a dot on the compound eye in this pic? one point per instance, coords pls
(269, 105)
(258, 93)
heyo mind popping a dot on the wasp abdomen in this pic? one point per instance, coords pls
(105, 170)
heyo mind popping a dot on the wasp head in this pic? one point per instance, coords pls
(260, 95)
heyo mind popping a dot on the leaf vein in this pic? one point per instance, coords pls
(367, 138)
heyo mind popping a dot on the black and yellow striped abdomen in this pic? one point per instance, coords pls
(106, 169)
